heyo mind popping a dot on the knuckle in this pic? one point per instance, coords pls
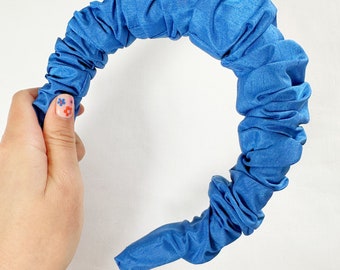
(18, 95)
(61, 137)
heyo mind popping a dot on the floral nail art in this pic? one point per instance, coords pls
(65, 106)
(61, 101)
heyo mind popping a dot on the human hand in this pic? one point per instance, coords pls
(41, 189)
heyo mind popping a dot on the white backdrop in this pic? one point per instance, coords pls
(160, 121)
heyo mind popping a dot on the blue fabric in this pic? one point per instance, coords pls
(272, 95)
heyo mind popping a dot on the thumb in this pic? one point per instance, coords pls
(60, 138)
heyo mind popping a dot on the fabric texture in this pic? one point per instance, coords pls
(271, 95)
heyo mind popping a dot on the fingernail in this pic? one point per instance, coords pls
(65, 106)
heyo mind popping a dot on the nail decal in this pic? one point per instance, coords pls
(61, 101)
(65, 106)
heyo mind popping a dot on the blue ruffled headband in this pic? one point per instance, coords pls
(272, 95)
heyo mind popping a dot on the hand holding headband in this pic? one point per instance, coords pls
(272, 95)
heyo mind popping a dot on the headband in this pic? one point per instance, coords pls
(271, 95)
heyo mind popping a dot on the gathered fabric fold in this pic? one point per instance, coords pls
(272, 95)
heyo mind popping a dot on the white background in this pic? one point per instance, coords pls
(160, 121)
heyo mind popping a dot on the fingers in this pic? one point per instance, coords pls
(80, 148)
(81, 110)
(61, 141)
(24, 145)
(22, 126)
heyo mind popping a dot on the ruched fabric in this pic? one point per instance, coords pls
(272, 96)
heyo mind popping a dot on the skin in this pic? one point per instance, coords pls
(41, 189)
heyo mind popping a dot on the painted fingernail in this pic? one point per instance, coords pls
(65, 106)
